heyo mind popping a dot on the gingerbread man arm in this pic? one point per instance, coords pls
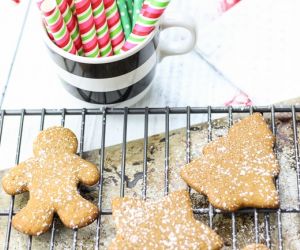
(17, 179)
(87, 172)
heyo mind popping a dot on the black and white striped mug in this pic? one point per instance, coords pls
(121, 79)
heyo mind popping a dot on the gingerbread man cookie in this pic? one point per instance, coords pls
(237, 170)
(51, 177)
(256, 247)
(164, 224)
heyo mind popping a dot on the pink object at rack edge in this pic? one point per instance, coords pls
(240, 99)
(227, 4)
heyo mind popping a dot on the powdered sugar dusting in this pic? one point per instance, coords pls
(163, 224)
(237, 170)
(51, 177)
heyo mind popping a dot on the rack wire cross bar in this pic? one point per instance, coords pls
(167, 149)
(277, 182)
(145, 156)
(100, 185)
(296, 150)
(141, 111)
(124, 147)
(256, 226)
(233, 216)
(209, 139)
(12, 201)
(62, 113)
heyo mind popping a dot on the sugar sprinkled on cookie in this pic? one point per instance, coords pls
(238, 169)
(51, 177)
(167, 223)
(256, 247)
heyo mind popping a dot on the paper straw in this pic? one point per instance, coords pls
(125, 18)
(114, 24)
(71, 23)
(71, 4)
(129, 4)
(137, 6)
(102, 30)
(57, 26)
(146, 23)
(38, 3)
(47, 28)
(87, 28)
(145, 4)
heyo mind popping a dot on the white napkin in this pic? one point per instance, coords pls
(256, 45)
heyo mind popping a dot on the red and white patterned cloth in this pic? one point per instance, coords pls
(227, 4)
(240, 99)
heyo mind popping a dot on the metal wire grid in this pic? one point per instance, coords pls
(188, 111)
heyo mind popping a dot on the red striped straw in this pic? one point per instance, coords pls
(101, 28)
(38, 3)
(145, 6)
(57, 27)
(146, 23)
(87, 28)
(72, 6)
(114, 24)
(71, 23)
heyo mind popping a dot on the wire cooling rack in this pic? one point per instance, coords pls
(165, 113)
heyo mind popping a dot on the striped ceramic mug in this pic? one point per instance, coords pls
(121, 79)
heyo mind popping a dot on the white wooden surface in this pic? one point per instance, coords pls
(180, 81)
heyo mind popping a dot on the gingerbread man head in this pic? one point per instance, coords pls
(52, 177)
(55, 140)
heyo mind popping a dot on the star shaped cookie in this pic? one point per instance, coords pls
(237, 170)
(164, 224)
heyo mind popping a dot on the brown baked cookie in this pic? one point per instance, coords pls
(164, 224)
(237, 170)
(51, 177)
(256, 247)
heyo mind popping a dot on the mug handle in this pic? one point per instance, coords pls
(187, 45)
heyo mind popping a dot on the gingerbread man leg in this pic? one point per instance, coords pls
(83, 212)
(35, 217)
